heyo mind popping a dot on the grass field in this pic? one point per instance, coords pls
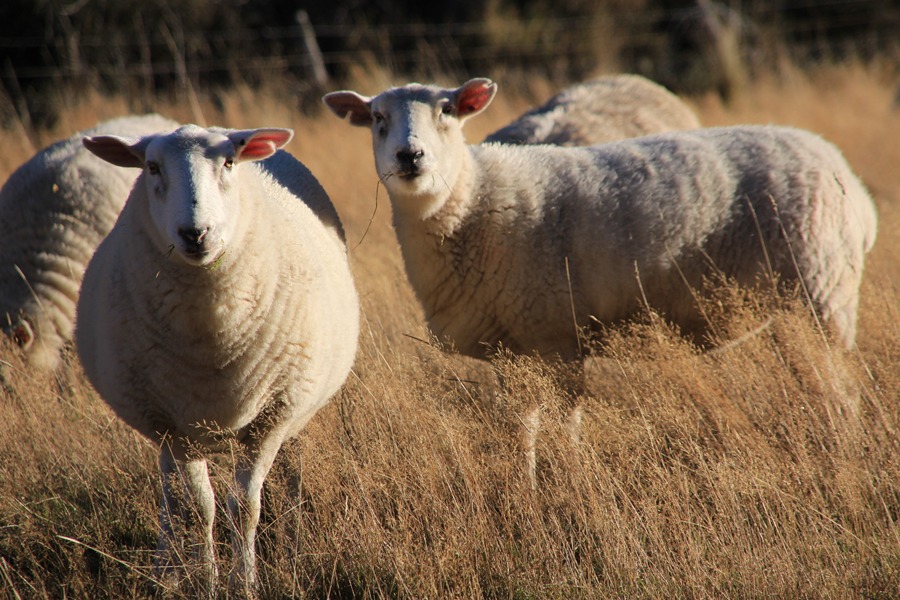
(743, 473)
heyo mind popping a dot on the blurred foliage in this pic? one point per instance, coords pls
(50, 48)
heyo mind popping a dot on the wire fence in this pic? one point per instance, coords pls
(853, 22)
(848, 15)
(678, 46)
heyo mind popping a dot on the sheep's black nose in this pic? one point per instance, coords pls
(192, 235)
(410, 158)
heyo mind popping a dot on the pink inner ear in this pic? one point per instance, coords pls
(259, 148)
(264, 144)
(474, 98)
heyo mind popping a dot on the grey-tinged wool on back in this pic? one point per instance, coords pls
(54, 211)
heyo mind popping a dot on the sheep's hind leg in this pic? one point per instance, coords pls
(569, 378)
(532, 425)
(572, 382)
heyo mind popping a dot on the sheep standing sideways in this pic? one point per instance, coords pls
(600, 110)
(220, 307)
(54, 210)
(508, 245)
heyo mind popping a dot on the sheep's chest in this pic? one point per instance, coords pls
(187, 394)
(211, 357)
(498, 295)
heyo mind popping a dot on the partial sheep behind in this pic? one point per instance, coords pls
(605, 109)
(54, 211)
(219, 310)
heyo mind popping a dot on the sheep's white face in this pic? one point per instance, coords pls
(190, 177)
(191, 181)
(416, 134)
(413, 132)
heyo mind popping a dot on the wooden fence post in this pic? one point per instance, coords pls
(316, 63)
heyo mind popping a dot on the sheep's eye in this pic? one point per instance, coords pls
(447, 109)
(229, 162)
(379, 124)
(152, 168)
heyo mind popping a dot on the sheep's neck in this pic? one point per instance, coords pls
(455, 202)
(441, 267)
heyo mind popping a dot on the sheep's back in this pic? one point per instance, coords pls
(314, 223)
(601, 110)
(738, 201)
(299, 182)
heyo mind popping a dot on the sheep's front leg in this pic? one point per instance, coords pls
(570, 379)
(244, 507)
(190, 503)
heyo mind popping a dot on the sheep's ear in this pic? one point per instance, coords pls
(350, 103)
(120, 151)
(257, 144)
(473, 96)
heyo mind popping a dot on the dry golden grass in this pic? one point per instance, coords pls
(766, 469)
